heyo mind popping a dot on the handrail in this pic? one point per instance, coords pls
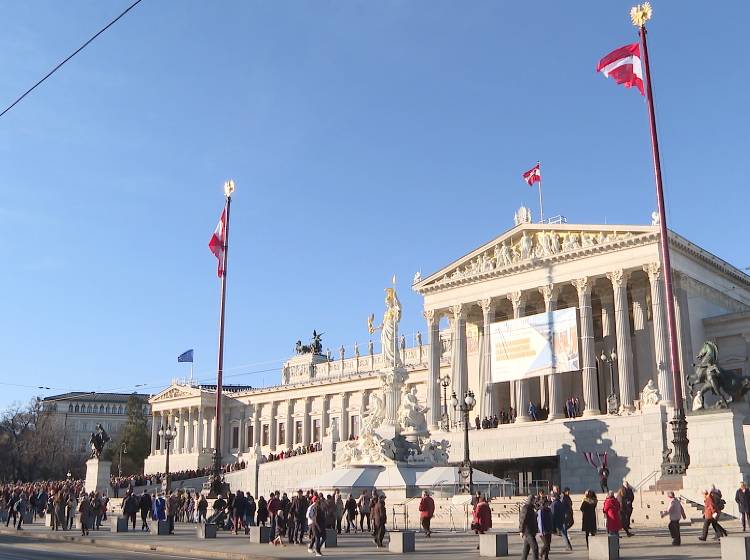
(643, 482)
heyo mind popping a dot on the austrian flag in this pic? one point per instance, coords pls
(624, 66)
(533, 175)
(217, 244)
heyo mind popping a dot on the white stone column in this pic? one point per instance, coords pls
(257, 428)
(273, 426)
(180, 430)
(307, 422)
(588, 358)
(608, 339)
(289, 443)
(487, 404)
(661, 348)
(242, 444)
(154, 430)
(459, 365)
(682, 318)
(625, 369)
(433, 369)
(190, 440)
(201, 443)
(212, 430)
(522, 393)
(326, 416)
(344, 427)
(554, 381)
(642, 354)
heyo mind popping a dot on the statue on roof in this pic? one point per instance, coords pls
(522, 216)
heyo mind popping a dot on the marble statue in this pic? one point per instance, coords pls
(417, 278)
(418, 336)
(356, 349)
(554, 243)
(655, 219)
(587, 240)
(522, 216)
(329, 355)
(370, 347)
(505, 254)
(342, 352)
(708, 376)
(98, 440)
(431, 452)
(315, 346)
(601, 238)
(526, 246)
(650, 394)
(389, 328)
(411, 414)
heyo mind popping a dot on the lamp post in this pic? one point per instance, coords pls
(445, 382)
(123, 449)
(465, 473)
(168, 434)
(613, 403)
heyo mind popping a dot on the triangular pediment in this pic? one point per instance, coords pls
(529, 245)
(175, 392)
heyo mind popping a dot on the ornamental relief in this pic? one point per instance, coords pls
(172, 393)
(530, 246)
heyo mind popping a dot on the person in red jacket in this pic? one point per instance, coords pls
(611, 511)
(482, 521)
(710, 518)
(426, 511)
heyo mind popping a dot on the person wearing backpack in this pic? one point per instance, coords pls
(84, 509)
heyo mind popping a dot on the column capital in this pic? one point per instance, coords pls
(486, 305)
(583, 286)
(619, 278)
(654, 271)
(459, 311)
(431, 315)
(516, 299)
(549, 292)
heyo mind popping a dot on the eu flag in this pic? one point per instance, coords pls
(186, 356)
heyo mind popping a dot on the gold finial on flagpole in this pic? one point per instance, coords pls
(229, 188)
(640, 14)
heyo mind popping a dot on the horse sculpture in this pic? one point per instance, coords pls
(315, 346)
(708, 376)
(98, 440)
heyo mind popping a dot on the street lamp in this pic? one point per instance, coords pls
(445, 382)
(613, 403)
(123, 449)
(465, 473)
(168, 434)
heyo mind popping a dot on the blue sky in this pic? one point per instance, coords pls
(365, 138)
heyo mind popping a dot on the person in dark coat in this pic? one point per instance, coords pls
(627, 497)
(130, 507)
(559, 516)
(262, 515)
(544, 524)
(528, 528)
(588, 515)
(144, 505)
(239, 507)
(742, 497)
(350, 507)
(565, 499)
(379, 519)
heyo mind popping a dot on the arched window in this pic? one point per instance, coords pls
(101, 409)
(88, 409)
(107, 409)
(70, 408)
(76, 409)
(119, 410)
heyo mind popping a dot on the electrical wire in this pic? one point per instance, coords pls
(79, 49)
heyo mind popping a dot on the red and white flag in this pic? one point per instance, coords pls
(533, 175)
(218, 242)
(624, 66)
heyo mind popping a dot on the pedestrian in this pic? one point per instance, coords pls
(426, 512)
(532, 411)
(611, 511)
(675, 511)
(21, 507)
(544, 524)
(627, 497)
(84, 510)
(299, 511)
(130, 507)
(262, 514)
(317, 521)
(350, 506)
(603, 478)
(742, 497)
(339, 508)
(588, 515)
(559, 519)
(172, 507)
(202, 508)
(273, 507)
(568, 503)
(144, 505)
(711, 518)
(528, 527)
(364, 510)
(379, 519)
(239, 506)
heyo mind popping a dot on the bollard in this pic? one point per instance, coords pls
(119, 525)
(331, 538)
(401, 541)
(604, 547)
(260, 535)
(162, 527)
(206, 530)
(493, 545)
(735, 547)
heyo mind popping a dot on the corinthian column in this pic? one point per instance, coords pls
(590, 390)
(521, 389)
(190, 442)
(625, 369)
(289, 441)
(154, 430)
(661, 350)
(460, 371)
(554, 380)
(433, 371)
(486, 387)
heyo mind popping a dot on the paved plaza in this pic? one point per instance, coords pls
(647, 543)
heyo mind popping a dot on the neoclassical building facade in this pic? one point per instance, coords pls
(609, 273)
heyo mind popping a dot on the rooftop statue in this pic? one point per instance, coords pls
(708, 376)
(315, 346)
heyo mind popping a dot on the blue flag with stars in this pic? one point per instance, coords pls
(186, 356)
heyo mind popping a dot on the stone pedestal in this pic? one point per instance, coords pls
(493, 545)
(735, 547)
(604, 547)
(97, 475)
(119, 524)
(206, 530)
(47, 520)
(162, 527)
(401, 541)
(331, 538)
(260, 535)
(28, 518)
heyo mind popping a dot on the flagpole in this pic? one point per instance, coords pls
(216, 484)
(679, 463)
(541, 206)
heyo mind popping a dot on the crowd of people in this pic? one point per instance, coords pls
(536, 412)
(300, 450)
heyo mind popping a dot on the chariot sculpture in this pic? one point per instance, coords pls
(727, 386)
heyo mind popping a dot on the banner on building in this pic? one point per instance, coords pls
(535, 345)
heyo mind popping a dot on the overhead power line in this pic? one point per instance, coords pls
(79, 49)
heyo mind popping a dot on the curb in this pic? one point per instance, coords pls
(137, 547)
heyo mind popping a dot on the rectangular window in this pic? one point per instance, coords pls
(250, 441)
(298, 432)
(316, 430)
(354, 425)
(282, 433)
(235, 437)
(264, 435)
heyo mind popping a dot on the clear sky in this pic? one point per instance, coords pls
(365, 138)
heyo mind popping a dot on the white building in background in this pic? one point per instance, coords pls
(78, 413)
(609, 273)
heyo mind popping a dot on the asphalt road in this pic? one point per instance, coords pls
(22, 548)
